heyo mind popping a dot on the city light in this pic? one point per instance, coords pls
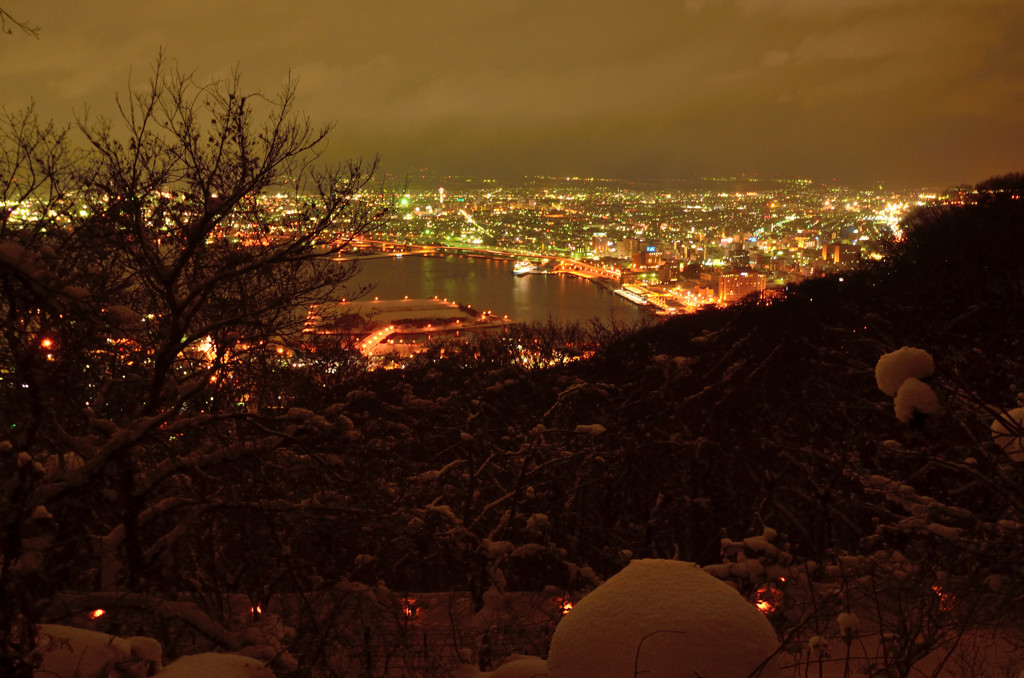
(667, 251)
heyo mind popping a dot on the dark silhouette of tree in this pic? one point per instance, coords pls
(1010, 183)
(9, 23)
(148, 284)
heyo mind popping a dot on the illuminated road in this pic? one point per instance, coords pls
(381, 336)
(386, 255)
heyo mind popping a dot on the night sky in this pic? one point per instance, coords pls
(905, 92)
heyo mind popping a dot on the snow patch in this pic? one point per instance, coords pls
(848, 623)
(75, 292)
(148, 650)
(538, 522)
(818, 647)
(64, 467)
(124, 317)
(520, 667)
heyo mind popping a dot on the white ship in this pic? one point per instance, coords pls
(523, 267)
(634, 294)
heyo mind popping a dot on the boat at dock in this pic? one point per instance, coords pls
(523, 267)
(634, 294)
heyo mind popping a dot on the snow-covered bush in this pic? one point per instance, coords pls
(907, 362)
(753, 561)
(899, 374)
(1008, 432)
(913, 397)
(662, 618)
(940, 554)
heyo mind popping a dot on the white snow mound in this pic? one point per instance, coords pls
(892, 369)
(914, 396)
(662, 619)
(216, 665)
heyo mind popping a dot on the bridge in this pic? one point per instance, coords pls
(585, 270)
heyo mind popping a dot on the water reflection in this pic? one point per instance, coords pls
(488, 284)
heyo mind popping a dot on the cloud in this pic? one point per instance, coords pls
(774, 58)
(784, 84)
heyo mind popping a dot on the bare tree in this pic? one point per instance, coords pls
(8, 23)
(147, 284)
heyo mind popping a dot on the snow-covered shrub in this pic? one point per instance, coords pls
(913, 397)
(752, 560)
(899, 374)
(1008, 432)
(907, 362)
(662, 617)
(760, 569)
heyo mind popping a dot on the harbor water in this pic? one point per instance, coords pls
(489, 285)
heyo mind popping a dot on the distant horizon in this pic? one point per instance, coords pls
(439, 174)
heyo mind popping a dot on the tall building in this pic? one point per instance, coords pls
(668, 271)
(645, 256)
(735, 287)
(626, 247)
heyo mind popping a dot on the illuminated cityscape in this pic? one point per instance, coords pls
(669, 247)
(676, 246)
